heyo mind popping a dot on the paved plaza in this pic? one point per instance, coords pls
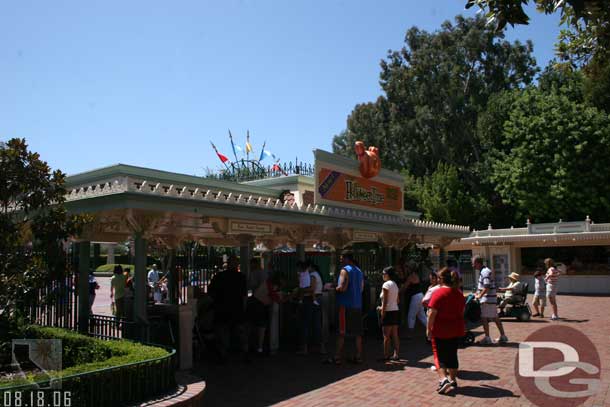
(486, 377)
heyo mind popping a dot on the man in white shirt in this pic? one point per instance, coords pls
(153, 283)
(317, 315)
(305, 310)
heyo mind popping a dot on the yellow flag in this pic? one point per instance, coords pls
(248, 145)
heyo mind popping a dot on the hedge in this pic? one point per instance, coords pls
(100, 373)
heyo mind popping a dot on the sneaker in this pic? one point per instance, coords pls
(443, 386)
(454, 384)
(554, 318)
(541, 315)
(502, 339)
(433, 368)
(485, 341)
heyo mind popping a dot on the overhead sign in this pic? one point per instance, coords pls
(339, 183)
(251, 228)
(365, 236)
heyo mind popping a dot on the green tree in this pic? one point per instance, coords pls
(552, 161)
(33, 224)
(434, 89)
(443, 198)
(588, 24)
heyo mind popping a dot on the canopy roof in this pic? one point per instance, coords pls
(159, 204)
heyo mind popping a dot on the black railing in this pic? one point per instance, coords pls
(110, 327)
(119, 385)
(250, 170)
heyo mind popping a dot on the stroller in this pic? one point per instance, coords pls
(472, 319)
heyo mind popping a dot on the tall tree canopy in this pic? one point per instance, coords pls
(434, 89)
(33, 224)
(587, 22)
(552, 158)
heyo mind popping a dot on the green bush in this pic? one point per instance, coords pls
(91, 366)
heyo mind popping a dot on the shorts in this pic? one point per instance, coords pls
(391, 318)
(258, 313)
(350, 321)
(551, 290)
(539, 300)
(447, 352)
(489, 310)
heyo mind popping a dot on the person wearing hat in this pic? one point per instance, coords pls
(513, 293)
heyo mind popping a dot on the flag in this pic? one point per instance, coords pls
(262, 157)
(223, 158)
(232, 145)
(248, 145)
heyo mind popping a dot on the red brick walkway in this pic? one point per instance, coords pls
(487, 375)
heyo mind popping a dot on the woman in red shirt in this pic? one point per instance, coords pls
(446, 328)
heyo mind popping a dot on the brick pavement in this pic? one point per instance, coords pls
(486, 378)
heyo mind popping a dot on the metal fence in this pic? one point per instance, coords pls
(110, 327)
(250, 170)
(54, 305)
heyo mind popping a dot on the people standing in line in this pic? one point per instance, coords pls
(400, 281)
(153, 283)
(93, 286)
(317, 311)
(446, 328)
(539, 294)
(117, 291)
(390, 314)
(229, 292)
(350, 286)
(486, 294)
(305, 307)
(259, 305)
(414, 297)
(552, 284)
(257, 275)
(434, 285)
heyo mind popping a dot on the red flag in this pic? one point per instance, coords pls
(223, 158)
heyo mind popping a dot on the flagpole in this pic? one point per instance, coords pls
(262, 152)
(233, 145)
(216, 150)
(247, 144)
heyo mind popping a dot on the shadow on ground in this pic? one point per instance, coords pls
(268, 380)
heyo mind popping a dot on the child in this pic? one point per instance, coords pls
(539, 294)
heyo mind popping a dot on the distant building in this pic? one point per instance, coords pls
(580, 249)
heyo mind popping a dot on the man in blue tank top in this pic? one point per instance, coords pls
(349, 301)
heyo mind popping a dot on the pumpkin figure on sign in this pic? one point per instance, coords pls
(370, 163)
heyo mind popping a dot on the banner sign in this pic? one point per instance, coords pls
(353, 190)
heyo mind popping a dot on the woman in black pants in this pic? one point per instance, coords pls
(446, 327)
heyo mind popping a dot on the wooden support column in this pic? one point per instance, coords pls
(245, 253)
(96, 255)
(140, 281)
(83, 286)
(172, 281)
(300, 251)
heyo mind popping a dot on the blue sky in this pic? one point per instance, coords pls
(150, 83)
